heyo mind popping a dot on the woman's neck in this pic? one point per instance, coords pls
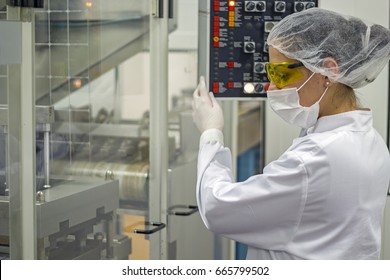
(340, 99)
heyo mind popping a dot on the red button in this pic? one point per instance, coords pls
(216, 6)
(216, 44)
(231, 8)
(230, 64)
(230, 84)
(215, 87)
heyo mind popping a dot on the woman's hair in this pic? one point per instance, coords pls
(361, 50)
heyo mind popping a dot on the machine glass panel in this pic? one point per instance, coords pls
(91, 159)
(92, 153)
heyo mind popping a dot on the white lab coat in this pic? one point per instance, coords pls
(323, 198)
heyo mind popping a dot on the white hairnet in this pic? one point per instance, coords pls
(361, 50)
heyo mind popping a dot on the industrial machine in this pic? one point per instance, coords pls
(75, 216)
(101, 189)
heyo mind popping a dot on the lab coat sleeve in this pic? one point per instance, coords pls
(263, 211)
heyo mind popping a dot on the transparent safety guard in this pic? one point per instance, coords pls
(88, 159)
(97, 145)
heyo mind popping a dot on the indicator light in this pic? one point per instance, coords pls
(232, 3)
(88, 4)
(249, 88)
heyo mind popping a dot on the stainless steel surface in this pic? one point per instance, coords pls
(3, 115)
(11, 48)
(122, 247)
(185, 231)
(131, 130)
(43, 114)
(159, 131)
(46, 148)
(69, 212)
(249, 129)
(75, 201)
(132, 178)
(21, 144)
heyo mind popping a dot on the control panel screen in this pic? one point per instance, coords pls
(237, 44)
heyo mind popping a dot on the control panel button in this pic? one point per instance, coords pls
(250, 6)
(259, 88)
(280, 6)
(299, 6)
(310, 5)
(259, 67)
(249, 47)
(260, 6)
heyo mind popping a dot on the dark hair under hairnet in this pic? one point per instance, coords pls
(361, 50)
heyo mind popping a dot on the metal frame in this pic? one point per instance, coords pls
(21, 137)
(159, 130)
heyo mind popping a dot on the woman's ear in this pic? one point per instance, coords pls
(331, 65)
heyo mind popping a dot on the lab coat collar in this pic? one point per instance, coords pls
(357, 120)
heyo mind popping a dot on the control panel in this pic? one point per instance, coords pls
(236, 46)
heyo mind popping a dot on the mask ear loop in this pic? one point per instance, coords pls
(323, 94)
(311, 76)
(319, 100)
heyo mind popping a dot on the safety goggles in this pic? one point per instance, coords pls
(284, 73)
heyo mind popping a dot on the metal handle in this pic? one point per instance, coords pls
(170, 9)
(158, 226)
(192, 210)
(160, 8)
(26, 3)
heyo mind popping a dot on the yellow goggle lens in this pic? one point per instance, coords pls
(284, 73)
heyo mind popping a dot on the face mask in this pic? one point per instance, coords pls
(285, 103)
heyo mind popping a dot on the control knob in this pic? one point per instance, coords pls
(259, 67)
(280, 6)
(260, 6)
(259, 88)
(250, 6)
(310, 5)
(249, 47)
(299, 6)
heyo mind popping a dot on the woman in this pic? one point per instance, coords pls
(324, 197)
